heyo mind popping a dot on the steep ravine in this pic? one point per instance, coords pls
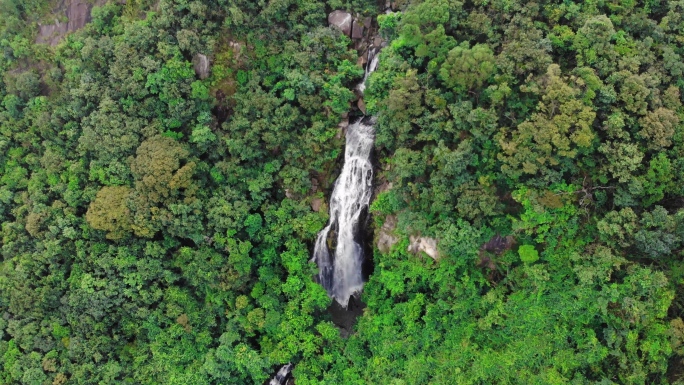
(342, 250)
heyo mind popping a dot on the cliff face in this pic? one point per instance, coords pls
(77, 14)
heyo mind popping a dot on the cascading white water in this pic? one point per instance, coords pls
(340, 268)
(373, 60)
(340, 274)
(281, 376)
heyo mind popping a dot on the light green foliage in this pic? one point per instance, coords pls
(109, 212)
(658, 128)
(559, 129)
(546, 215)
(593, 40)
(623, 159)
(467, 67)
(633, 92)
(528, 254)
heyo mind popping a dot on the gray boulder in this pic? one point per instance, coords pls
(357, 30)
(316, 204)
(424, 244)
(341, 20)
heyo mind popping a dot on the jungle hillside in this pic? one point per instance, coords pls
(167, 165)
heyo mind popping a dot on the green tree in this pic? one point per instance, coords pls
(528, 254)
(658, 128)
(109, 211)
(466, 67)
(557, 132)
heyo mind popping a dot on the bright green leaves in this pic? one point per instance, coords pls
(562, 36)
(387, 202)
(528, 254)
(253, 225)
(657, 180)
(635, 333)
(421, 28)
(388, 24)
(547, 215)
(336, 89)
(242, 77)
(199, 90)
(202, 135)
(435, 46)
(428, 13)
(9, 362)
(289, 94)
(173, 71)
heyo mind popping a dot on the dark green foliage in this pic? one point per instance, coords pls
(201, 274)
(156, 227)
(556, 124)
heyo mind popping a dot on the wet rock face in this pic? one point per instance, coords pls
(78, 13)
(202, 66)
(361, 105)
(498, 244)
(386, 237)
(341, 20)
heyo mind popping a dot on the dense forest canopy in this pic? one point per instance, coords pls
(165, 169)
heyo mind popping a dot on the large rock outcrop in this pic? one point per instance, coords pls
(424, 244)
(77, 13)
(357, 30)
(386, 238)
(354, 27)
(341, 20)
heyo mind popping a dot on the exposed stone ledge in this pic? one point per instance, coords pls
(424, 244)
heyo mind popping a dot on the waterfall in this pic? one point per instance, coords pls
(338, 251)
(372, 65)
(281, 376)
